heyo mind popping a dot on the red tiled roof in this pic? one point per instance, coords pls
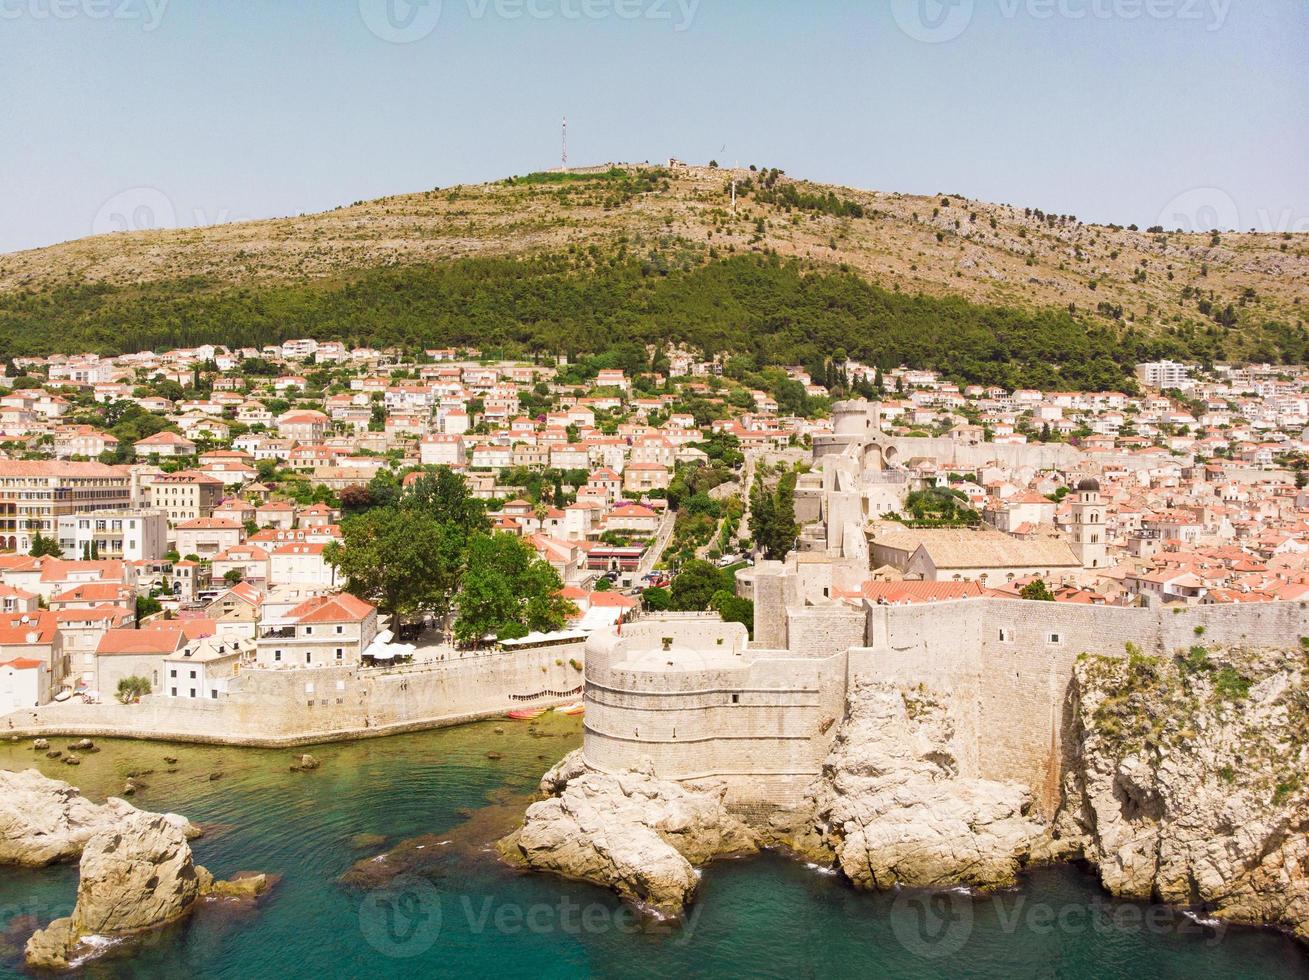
(332, 609)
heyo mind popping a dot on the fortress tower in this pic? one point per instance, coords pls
(1088, 525)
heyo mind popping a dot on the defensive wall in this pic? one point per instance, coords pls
(302, 706)
(1008, 665)
(693, 697)
(688, 695)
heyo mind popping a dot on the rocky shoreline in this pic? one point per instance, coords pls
(136, 870)
(1184, 784)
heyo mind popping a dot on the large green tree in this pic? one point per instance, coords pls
(772, 516)
(696, 583)
(404, 560)
(508, 591)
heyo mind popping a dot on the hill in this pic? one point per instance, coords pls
(583, 261)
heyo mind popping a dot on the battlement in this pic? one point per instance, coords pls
(696, 700)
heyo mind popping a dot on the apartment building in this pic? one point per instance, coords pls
(35, 494)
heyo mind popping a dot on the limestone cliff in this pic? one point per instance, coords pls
(892, 807)
(1189, 781)
(641, 836)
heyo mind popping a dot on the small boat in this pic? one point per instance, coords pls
(571, 709)
(527, 714)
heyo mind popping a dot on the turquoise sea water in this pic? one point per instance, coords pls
(459, 913)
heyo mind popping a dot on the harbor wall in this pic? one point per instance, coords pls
(302, 706)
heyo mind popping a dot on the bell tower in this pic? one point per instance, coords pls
(1089, 525)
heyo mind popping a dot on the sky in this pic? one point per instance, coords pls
(142, 113)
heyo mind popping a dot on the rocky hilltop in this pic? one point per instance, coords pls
(1185, 782)
(1190, 781)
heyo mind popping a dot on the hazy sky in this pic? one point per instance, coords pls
(132, 112)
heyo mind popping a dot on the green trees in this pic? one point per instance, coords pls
(696, 584)
(132, 688)
(941, 507)
(733, 609)
(782, 312)
(507, 591)
(146, 606)
(42, 546)
(408, 554)
(772, 516)
(403, 559)
(1037, 591)
(657, 599)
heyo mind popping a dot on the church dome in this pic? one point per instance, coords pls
(1089, 485)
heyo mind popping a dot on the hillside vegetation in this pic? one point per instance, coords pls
(581, 262)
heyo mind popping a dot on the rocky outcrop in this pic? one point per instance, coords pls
(44, 821)
(136, 876)
(892, 807)
(1189, 781)
(641, 836)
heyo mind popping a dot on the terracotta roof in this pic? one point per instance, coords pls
(339, 608)
(23, 663)
(128, 642)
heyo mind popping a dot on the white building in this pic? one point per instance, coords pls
(205, 668)
(129, 535)
(1164, 374)
(24, 683)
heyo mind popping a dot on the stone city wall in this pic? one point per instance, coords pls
(759, 720)
(1010, 662)
(301, 706)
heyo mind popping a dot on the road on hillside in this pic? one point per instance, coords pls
(656, 549)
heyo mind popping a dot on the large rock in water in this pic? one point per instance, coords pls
(44, 821)
(893, 809)
(136, 876)
(641, 836)
(1190, 781)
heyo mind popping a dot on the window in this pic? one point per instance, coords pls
(309, 631)
(736, 699)
(193, 675)
(193, 692)
(277, 656)
(340, 630)
(173, 673)
(213, 693)
(1055, 638)
(340, 653)
(173, 691)
(309, 657)
(1006, 635)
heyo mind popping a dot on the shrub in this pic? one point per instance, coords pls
(1231, 685)
(132, 688)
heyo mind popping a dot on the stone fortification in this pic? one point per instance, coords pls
(303, 706)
